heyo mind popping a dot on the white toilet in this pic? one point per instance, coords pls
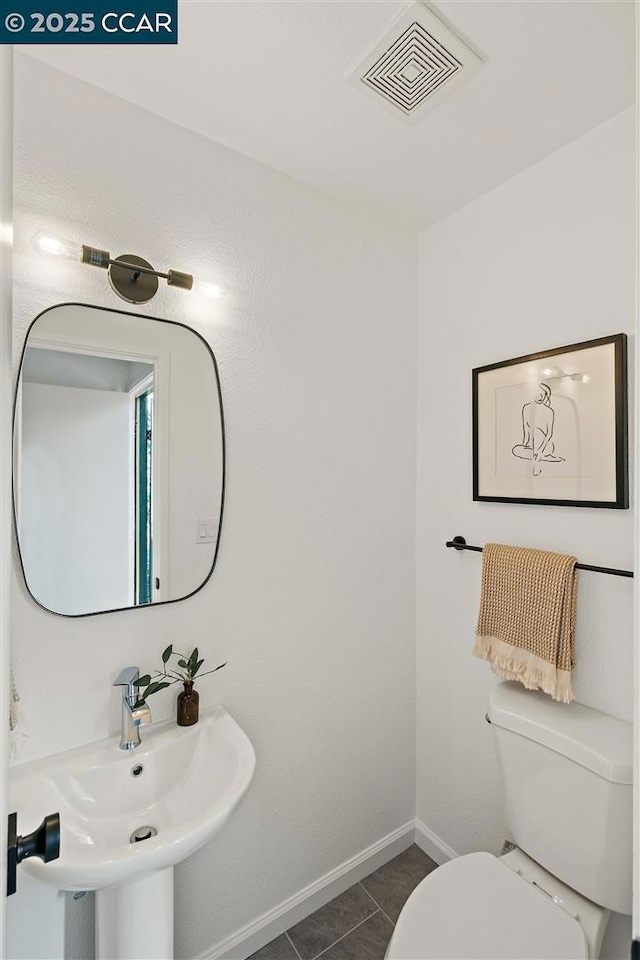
(567, 778)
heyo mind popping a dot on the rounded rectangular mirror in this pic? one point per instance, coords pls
(118, 469)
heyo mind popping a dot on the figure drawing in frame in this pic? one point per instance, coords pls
(538, 420)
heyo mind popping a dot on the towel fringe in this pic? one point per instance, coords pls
(514, 663)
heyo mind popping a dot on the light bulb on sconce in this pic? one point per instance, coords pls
(211, 290)
(52, 246)
(131, 277)
(187, 282)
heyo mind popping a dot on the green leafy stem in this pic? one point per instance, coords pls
(186, 671)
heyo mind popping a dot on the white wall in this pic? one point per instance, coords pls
(312, 600)
(545, 260)
(74, 497)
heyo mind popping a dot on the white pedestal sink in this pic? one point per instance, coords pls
(184, 782)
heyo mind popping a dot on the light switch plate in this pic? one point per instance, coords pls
(206, 531)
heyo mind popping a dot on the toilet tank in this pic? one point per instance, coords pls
(567, 778)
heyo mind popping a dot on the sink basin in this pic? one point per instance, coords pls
(184, 782)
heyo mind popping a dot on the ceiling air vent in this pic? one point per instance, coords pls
(418, 63)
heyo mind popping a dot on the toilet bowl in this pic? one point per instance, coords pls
(567, 779)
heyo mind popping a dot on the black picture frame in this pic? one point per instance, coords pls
(618, 429)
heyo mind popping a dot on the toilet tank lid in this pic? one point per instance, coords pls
(595, 740)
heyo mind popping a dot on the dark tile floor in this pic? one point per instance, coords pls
(358, 924)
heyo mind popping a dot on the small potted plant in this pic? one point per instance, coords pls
(188, 706)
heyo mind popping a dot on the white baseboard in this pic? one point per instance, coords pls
(271, 924)
(432, 844)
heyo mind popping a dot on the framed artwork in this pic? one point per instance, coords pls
(551, 428)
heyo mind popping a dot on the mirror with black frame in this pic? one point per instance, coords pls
(118, 467)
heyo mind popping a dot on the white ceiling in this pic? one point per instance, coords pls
(270, 79)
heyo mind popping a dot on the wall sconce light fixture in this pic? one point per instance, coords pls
(131, 277)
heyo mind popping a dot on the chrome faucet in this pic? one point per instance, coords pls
(134, 712)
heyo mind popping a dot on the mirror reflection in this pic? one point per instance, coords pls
(118, 460)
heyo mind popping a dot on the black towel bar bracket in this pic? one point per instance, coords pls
(459, 543)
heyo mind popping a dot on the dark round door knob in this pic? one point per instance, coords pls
(44, 842)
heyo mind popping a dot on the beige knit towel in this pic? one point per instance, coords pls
(527, 616)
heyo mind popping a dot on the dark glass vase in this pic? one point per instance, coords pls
(188, 705)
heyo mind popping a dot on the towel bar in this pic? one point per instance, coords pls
(459, 543)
